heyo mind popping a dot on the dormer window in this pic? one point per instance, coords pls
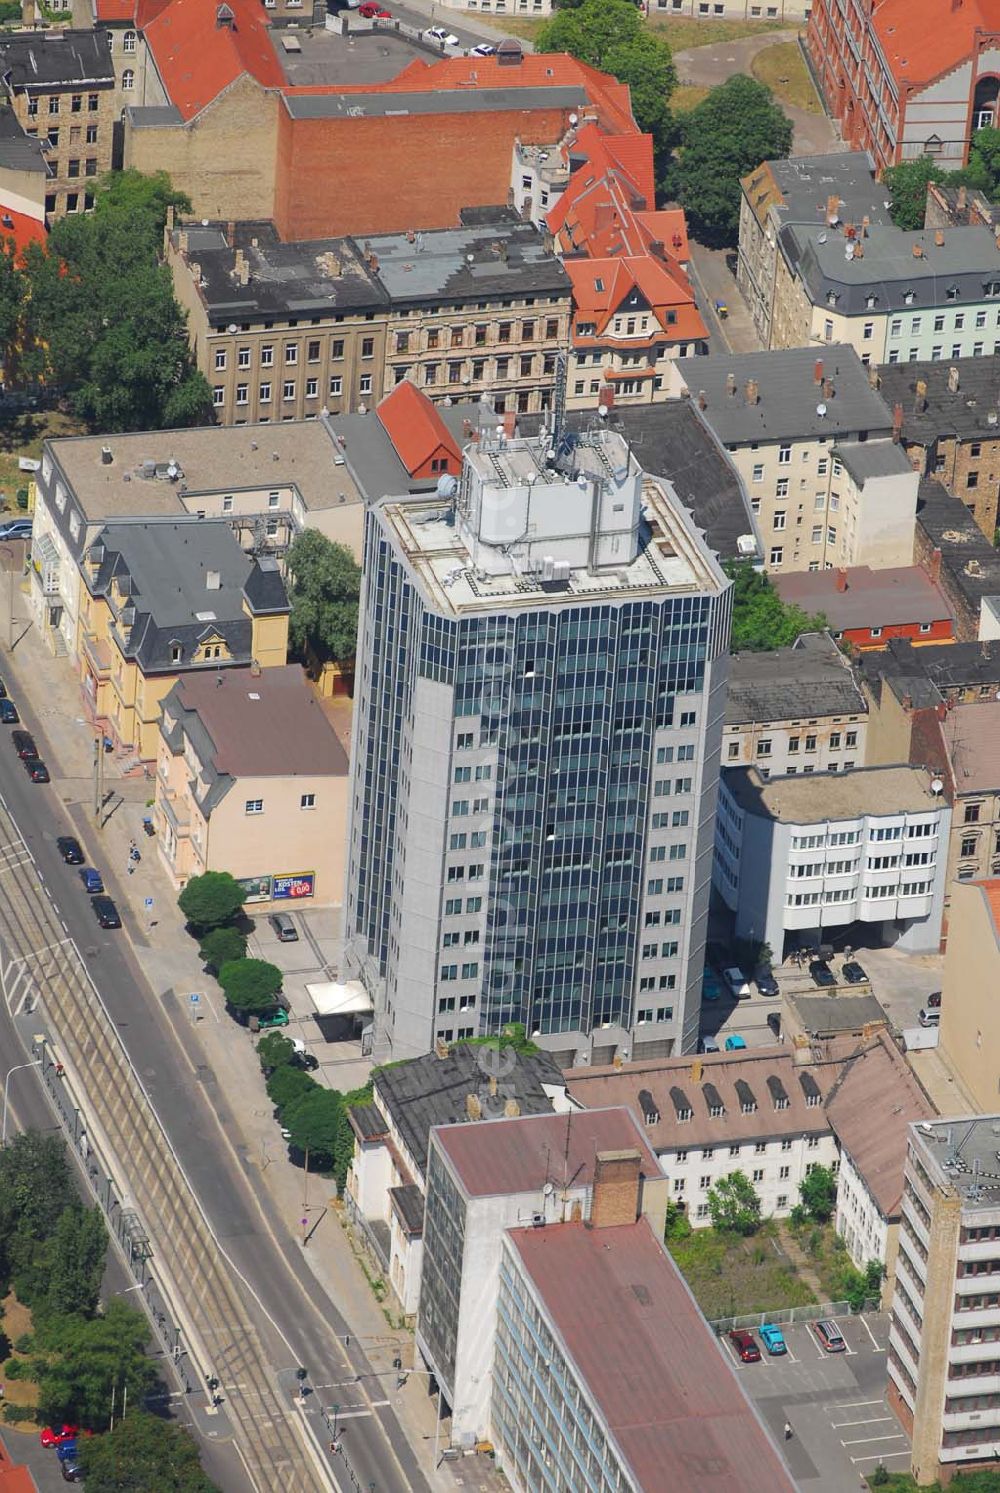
(991, 287)
(871, 301)
(909, 296)
(681, 1103)
(745, 1094)
(176, 651)
(831, 298)
(952, 292)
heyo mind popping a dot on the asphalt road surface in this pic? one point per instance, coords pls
(236, 1272)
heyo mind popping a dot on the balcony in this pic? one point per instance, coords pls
(97, 652)
(903, 1348)
(45, 565)
(177, 814)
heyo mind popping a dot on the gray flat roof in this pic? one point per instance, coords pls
(889, 272)
(810, 679)
(824, 796)
(807, 181)
(864, 459)
(961, 1155)
(51, 60)
(440, 101)
(969, 563)
(789, 399)
(305, 278)
(489, 259)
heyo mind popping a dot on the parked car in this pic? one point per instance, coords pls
(441, 36)
(24, 743)
(854, 974)
(277, 1017)
(707, 1044)
(711, 989)
(16, 528)
(68, 1451)
(36, 769)
(72, 1472)
(303, 1057)
(284, 927)
(371, 11)
(934, 1001)
(106, 912)
(92, 880)
(57, 1435)
(3, 690)
(930, 1018)
(8, 713)
(483, 49)
(734, 1043)
(830, 1336)
(71, 850)
(773, 1339)
(822, 974)
(764, 980)
(745, 1345)
(737, 982)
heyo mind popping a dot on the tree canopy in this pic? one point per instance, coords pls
(611, 35)
(222, 944)
(100, 319)
(818, 1193)
(211, 900)
(761, 620)
(82, 1359)
(907, 183)
(733, 1204)
(729, 133)
(326, 584)
(143, 1452)
(250, 985)
(314, 1122)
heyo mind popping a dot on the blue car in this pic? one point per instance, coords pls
(91, 880)
(735, 1043)
(711, 989)
(772, 1339)
(68, 1452)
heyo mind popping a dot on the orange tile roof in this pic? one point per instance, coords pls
(197, 58)
(990, 888)
(115, 10)
(923, 39)
(414, 426)
(663, 288)
(22, 228)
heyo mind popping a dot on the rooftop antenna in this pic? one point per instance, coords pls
(974, 1189)
(558, 399)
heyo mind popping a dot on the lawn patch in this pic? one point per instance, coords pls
(732, 1276)
(782, 68)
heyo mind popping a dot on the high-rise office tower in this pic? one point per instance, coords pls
(539, 699)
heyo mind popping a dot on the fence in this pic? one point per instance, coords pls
(790, 1314)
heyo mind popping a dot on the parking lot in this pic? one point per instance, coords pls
(835, 1403)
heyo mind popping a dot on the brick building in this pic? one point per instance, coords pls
(866, 608)
(61, 85)
(951, 547)
(948, 422)
(907, 78)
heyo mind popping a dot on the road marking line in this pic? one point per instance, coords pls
(867, 1440)
(854, 1404)
(904, 1451)
(871, 1335)
(841, 1425)
(354, 1414)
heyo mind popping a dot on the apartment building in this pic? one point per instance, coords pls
(874, 1100)
(895, 296)
(387, 1180)
(811, 440)
(798, 856)
(969, 1039)
(759, 1112)
(949, 427)
(907, 78)
(945, 1316)
(61, 86)
(866, 608)
(557, 604)
(954, 551)
(252, 779)
(735, 10)
(792, 710)
(160, 599)
(287, 331)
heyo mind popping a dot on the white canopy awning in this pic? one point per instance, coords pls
(336, 998)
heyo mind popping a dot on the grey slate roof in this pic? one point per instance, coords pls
(430, 1091)
(864, 459)
(462, 264)
(789, 397)
(50, 60)
(810, 679)
(18, 151)
(967, 261)
(970, 565)
(168, 564)
(440, 101)
(807, 181)
(318, 277)
(926, 675)
(408, 1201)
(826, 1015)
(970, 411)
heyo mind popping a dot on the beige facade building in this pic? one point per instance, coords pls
(251, 778)
(812, 441)
(287, 331)
(970, 1033)
(61, 85)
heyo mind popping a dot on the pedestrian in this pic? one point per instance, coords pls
(788, 1430)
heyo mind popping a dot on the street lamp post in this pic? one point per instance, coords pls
(37, 1063)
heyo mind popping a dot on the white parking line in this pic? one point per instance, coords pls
(868, 1440)
(871, 1335)
(875, 1420)
(855, 1404)
(904, 1451)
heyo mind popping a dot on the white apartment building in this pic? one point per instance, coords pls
(760, 1112)
(794, 710)
(943, 1354)
(539, 176)
(813, 443)
(795, 858)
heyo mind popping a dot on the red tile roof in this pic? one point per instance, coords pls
(520, 1155)
(990, 889)
(923, 39)
(115, 10)
(672, 1402)
(601, 285)
(197, 58)
(894, 597)
(22, 228)
(414, 427)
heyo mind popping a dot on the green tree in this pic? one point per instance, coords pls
(141, 1453)
(314, 1122)
(86, 1358)
(286, 1086)
(13, 290)
(326, 584)
(275, 1051)
(211, 900)
(907, 188)
(611, 35)
(102, 316)
(818, 1193)
(761, 620)
(733, 1205)
(250, 985)
(36, 1184)
(729, 133)
(221, 945)
(75, 1262)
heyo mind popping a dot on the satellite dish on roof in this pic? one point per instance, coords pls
(821, 411)
(447, 486)
(936, 786)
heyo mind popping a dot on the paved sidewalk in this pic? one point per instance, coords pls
(170, 961)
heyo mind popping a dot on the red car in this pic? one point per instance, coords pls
(745, 1346)
(53, 1437)
(372, 11)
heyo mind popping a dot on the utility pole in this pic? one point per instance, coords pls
(99, 778)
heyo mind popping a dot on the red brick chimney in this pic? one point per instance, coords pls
(818, 371)
(841, 578)
(616, 1189)
(897, 422)
(934, 570)
(510, 424)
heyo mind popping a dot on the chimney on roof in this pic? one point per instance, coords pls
(231, 234)
(241, 268)
(170, 217)
(702, 401)
(255, 668)
(934, 569)
(510, 424)
(441, 1049)
(752, 391)
(866, 223)
(473, 1108)
(617, 1183)
(828, 389)
(918, 251)
(818, 371)
(731, 385)
(874, 377)
(897, 422)
(411, 236)
(697, 1070)
(182, 241)
(961, 199)
(511, 1109)
(939, 237)
(953, 380)
(841, 578)
(832, 209)
(920, 402)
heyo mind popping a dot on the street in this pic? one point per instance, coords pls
(238, 1279)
